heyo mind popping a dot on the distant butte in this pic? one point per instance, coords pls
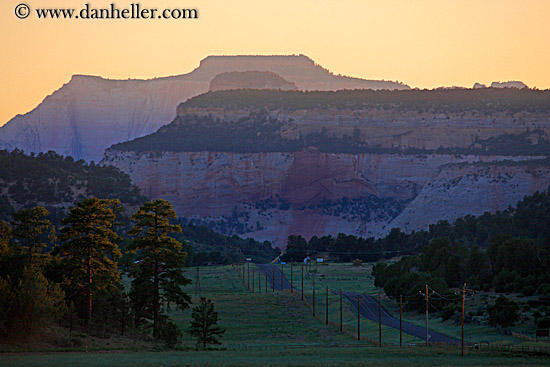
(91, 113)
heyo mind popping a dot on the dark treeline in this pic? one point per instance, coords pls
(530, 219)
(258, 132)
(486, 100)
(210, 247)
(509, 265)
(505, 252)
(72, 276)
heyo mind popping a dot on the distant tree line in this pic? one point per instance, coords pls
(486, 100)
(530, 219)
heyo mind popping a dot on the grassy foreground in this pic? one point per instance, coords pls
(277, 329)
(357, 356)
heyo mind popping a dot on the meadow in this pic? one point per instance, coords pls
(278, 329)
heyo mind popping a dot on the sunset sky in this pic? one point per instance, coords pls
(424, 44)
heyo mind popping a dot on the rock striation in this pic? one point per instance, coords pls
(269, 196)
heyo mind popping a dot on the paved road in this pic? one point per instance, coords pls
(273, 270)
(369, 309)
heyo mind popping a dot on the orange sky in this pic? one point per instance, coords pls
(424, 43)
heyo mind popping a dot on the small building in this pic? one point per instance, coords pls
(357, 262)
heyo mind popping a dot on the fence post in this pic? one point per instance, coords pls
(302, 281)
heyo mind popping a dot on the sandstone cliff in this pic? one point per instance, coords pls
(269, 196)
(89, 114)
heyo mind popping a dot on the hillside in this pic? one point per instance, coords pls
(57, 183)
(269, 164)
(90, 113)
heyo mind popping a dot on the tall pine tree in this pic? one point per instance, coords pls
(89, 249)
(158, 272)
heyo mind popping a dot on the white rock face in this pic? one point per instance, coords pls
(89, 113)
(225, 190)
(510, 84)
(458, 191)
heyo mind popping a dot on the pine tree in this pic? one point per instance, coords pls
(5, 237)
(158, 272)
(89, 248)
(204, 323)
(31, 228)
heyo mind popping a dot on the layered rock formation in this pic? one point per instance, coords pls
(269, 196)
(89, 114)
(358, 162)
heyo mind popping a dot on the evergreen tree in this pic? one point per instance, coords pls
(89, 249)
(5, 237)
(204, 323)
(158, 272)
(31, 229)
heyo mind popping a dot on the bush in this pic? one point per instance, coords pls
(503, 312)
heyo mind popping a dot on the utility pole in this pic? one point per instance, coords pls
(291, 277)
(253, 281)
(464, 290)
(273, 278)
(379, 319)
(427, 295)
(248, 277)
(225, 250)
(313, 297)
(198, 283)
(326, 311)
(400, 320)
(302, 281)
(358, 319)
(265, 282)
(259, 282)
(340, 309)
(281, 277)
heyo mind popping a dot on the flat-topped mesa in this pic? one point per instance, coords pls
(90, 113)
(300, 69)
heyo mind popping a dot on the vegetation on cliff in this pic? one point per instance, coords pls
(52, 180)
(486, 100)
(257, 132)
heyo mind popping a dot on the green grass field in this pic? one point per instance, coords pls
(359, 279)
(278, 329)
